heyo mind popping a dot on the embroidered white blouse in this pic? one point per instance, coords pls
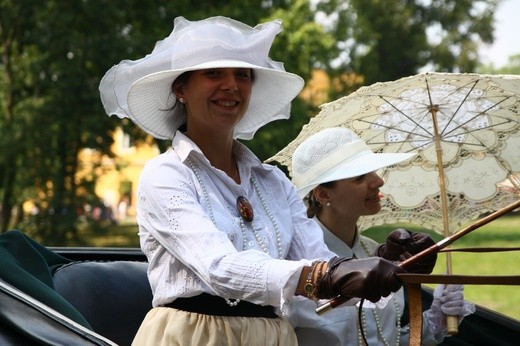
(340, 326)
(191, 233)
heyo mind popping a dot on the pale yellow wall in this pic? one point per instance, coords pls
(126, 166)
(315, 91)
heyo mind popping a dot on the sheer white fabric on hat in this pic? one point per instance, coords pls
(141, 89)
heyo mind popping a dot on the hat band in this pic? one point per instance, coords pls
(358, 147)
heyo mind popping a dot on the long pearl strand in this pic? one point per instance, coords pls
(255, 230)
(376, 317)
(267, 211)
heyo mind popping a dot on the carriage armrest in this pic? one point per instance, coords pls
(27, 321)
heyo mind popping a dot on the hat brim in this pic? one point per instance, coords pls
(150, 99)
(364, 164)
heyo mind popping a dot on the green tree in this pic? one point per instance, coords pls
(396, 38)
(303, 46)
(512, 67)
(16, 106)
(54, 54)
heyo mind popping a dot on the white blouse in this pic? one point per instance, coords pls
(340, 326)
(193, 236)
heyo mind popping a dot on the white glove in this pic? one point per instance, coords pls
(447, 300)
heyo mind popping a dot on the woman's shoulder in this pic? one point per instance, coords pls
(368, 241)
(167, 157)
(165, 164)
(266, 170)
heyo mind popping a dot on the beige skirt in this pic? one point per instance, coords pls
(168, 327)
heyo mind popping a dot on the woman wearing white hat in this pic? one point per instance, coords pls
(335, 173)
(226, 236)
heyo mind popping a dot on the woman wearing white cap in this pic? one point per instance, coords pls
(335, 173)
(226, 236)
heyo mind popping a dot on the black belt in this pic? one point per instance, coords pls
(208, 304)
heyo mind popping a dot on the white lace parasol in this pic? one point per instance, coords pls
(465, 129)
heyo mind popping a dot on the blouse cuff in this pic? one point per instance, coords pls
(284, 275)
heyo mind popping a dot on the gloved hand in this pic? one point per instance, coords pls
(402, 244)
(448, 300)
(370, 278)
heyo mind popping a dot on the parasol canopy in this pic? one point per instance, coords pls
(465, 129)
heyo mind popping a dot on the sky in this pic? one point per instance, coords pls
(507, 35)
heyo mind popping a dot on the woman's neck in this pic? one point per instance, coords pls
(344, 228)
(218, 150)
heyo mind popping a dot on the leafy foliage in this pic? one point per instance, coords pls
(512, 67)
(54, 53)
(396, 38)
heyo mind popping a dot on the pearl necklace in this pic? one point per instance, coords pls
(271, 217)
(376, 316)
(256, 231)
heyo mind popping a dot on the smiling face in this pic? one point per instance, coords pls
(215, 99)
(355, 197)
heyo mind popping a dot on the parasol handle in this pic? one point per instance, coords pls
(451, 321)
(339, 300)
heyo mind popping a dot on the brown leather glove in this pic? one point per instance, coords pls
(402, 244)
(370, 278)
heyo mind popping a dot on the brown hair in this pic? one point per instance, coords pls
(313, 205)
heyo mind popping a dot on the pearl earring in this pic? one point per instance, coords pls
(328, 204)
(181, 100)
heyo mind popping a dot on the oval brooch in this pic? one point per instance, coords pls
(245, 209)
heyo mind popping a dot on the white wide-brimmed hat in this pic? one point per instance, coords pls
(334, 154)
(141, 89)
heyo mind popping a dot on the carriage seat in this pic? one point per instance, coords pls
(114, 297)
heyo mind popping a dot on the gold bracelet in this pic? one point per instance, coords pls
(317, 278)
(310, 287)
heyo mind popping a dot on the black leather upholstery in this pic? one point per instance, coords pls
(114, 297)
(26, 321)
